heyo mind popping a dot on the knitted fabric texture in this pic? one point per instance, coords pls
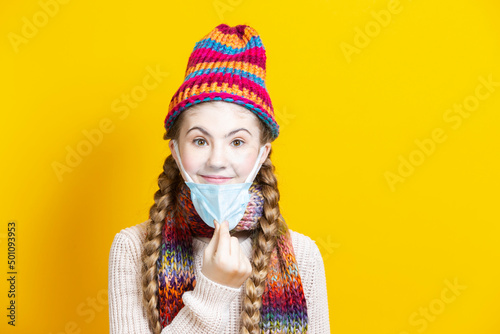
(228, 64)
(284, 308)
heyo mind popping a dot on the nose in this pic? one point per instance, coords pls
(217, 158)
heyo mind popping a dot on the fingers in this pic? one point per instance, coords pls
(224, 244)
(224, 261)
(212, 245)
(235, 249)
(245, 263)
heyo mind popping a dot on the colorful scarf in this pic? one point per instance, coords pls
(284, 308)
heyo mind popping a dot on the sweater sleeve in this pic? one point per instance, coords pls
(317, 297)
(206, 307)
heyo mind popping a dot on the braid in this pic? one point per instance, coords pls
(264, 242)
(168, 181)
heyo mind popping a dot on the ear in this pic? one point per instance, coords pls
(174, 155)
(172, 150)
(266, 152)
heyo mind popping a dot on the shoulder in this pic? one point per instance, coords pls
(309, 262)
(135, 233)
(303, 245)
(308, 257)
(128, 243)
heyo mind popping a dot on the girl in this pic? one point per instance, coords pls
(215, 255)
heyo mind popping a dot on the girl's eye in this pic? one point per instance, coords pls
(199, 141)
(237, 142)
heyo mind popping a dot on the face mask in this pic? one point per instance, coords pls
(220, 202)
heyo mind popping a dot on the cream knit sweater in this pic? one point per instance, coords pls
(210, 307)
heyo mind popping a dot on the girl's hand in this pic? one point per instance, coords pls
(223, 260)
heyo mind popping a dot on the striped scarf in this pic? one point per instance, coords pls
(284, 308)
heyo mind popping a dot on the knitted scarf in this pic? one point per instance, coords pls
(284, 308)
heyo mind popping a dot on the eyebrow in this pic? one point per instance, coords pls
(205, 132)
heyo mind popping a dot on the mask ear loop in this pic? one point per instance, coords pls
(256, 167)
(186, 175)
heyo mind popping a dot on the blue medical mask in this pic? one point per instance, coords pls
(220, 201)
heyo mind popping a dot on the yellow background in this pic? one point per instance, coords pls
(346, 121)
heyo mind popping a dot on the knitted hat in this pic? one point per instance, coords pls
(228, 64)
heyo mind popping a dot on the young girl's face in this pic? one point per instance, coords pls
(219, 143)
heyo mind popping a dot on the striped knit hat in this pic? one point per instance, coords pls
(228, 64)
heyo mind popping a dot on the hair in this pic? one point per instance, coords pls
(264, 237)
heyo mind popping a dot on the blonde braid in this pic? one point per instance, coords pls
(263, 244)
(164, 198)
